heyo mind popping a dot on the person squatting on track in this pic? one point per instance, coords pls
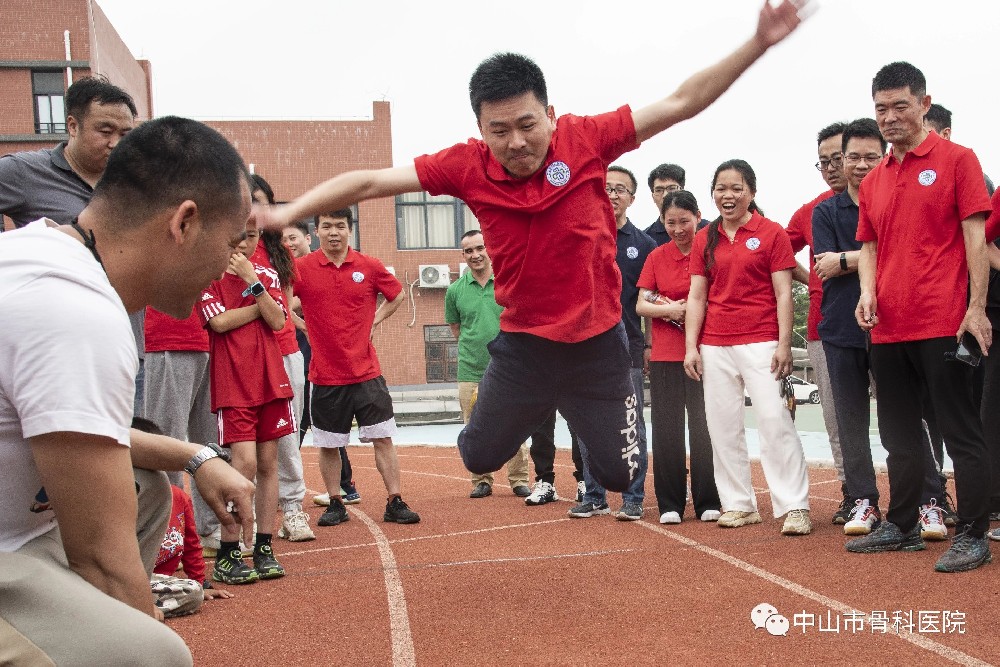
(738, 334)
(536, 184)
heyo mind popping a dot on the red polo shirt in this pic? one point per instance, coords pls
(800, 234)
(993, 222)
(666, 272)
(286, 337)
(245, 365)
(914, 210)
(166, 334)
(338, 303)
(552, 236)
(742, 307)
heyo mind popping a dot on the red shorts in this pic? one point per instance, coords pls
(256, 424)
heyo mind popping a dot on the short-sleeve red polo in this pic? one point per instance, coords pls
(286, 336)
(552, 236)
(800, 234)
(338, 305)
(742, 307)
(166, 334)
(914, 210)
(666, 272)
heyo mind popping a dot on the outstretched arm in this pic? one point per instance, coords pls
(703, 88)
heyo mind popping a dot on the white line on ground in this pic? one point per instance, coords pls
(522, 559)
(403, 654)
(917, 640)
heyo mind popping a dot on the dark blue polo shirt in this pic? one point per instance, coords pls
(834, 227)
(634, 247)
(658, 232)
(41, 184)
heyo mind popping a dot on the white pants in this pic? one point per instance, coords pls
(727, 370)
(291, 484)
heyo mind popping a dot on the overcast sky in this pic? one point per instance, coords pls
(298, 59)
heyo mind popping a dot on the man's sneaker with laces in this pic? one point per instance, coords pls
(797, 522)
(396, 511)
(335, 514)
(887, 537)
(948, 514)
(864, 518)
(586, 510)
(581, 489)
(994, 534)
(843, 513)
(295, 527)
(670, 518)
(709, 516)
(737, 519)
(541, 494)
(629, 512)
(966, 553)
(349, 494)
(932, 522)
(266, 565)
(232, 570)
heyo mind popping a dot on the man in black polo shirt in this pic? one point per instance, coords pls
(665, 178)
(634, 247)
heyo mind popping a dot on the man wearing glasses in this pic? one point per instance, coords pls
(665, 178)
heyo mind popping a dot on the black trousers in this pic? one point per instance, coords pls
(990, 412)
(543, 452)
(902, 371)
(671, 392)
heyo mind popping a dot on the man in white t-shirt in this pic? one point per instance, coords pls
(81, 512)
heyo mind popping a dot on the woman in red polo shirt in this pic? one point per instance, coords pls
(663, 289)
(738, 336)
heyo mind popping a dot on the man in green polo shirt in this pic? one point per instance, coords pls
(471, 311)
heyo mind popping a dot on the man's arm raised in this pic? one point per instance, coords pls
(704, 87)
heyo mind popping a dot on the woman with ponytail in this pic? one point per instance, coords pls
(738, 323)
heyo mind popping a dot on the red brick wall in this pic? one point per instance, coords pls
(111, 57)
(33, 29)
(17, 114)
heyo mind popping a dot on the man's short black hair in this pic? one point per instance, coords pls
(900, 75)
(345, 213)
(98, 89)
(938, 117)
(471, 232)
(503, 76)
(667, 172)
(167, 161)
(862, 128)
(623, 170)
(831, 130)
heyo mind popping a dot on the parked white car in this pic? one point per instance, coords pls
(805, 392)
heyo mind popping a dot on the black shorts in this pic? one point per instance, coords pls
(333, 410)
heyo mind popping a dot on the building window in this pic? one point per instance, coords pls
(441, 353)
(425, 221)
(50, 108)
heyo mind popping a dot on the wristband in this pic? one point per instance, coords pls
(843, 261)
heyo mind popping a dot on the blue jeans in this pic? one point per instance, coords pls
(636, 491)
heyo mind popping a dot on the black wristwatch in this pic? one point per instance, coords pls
(209, 451)
(254, 290)
(843, 261)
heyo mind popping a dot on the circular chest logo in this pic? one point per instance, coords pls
(927, 177)
(632, 252)
(557, 174)
(753, 243)
(357, 276)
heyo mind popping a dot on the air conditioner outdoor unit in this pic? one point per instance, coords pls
(434, 275)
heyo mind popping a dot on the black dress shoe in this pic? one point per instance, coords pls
(522, 491)
(481, 491)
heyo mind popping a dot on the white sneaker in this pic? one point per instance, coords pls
(670, 517)
(710, 515)
(541, 494)
(863, 518)
(323, 500)
(295, 527)
(581, 489)
(932, 522)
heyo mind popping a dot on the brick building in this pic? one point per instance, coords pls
(45, 43)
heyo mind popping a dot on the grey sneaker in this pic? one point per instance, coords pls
(587, 510)
(887, 537)
(629, 512)
(966, 553)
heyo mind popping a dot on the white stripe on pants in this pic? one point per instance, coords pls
(727, 370)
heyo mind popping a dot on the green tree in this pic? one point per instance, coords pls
(800, 298)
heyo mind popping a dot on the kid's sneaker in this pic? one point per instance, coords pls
(266, 565)
(863, 519)
(232, 570)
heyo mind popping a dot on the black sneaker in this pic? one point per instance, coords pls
(232, 570)
(843, 513)
(966, 553)
(948, 510)
(266, 564)
(522, 490)
(396, 511)
(335, 513)
(482, 490)
(586, 510)
(887, 537)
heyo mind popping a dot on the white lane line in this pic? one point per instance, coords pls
(438, 536)
(403, 654)
(520, 559)
(917, 640)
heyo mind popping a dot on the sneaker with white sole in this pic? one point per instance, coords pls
(710, 515)
(323, 499)
(932, 526)
(295, 527)
(629, 512)
(542, 493)
(586, 510)
(797, 522)
(737, 519)
(670, 517)
(864, 518)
